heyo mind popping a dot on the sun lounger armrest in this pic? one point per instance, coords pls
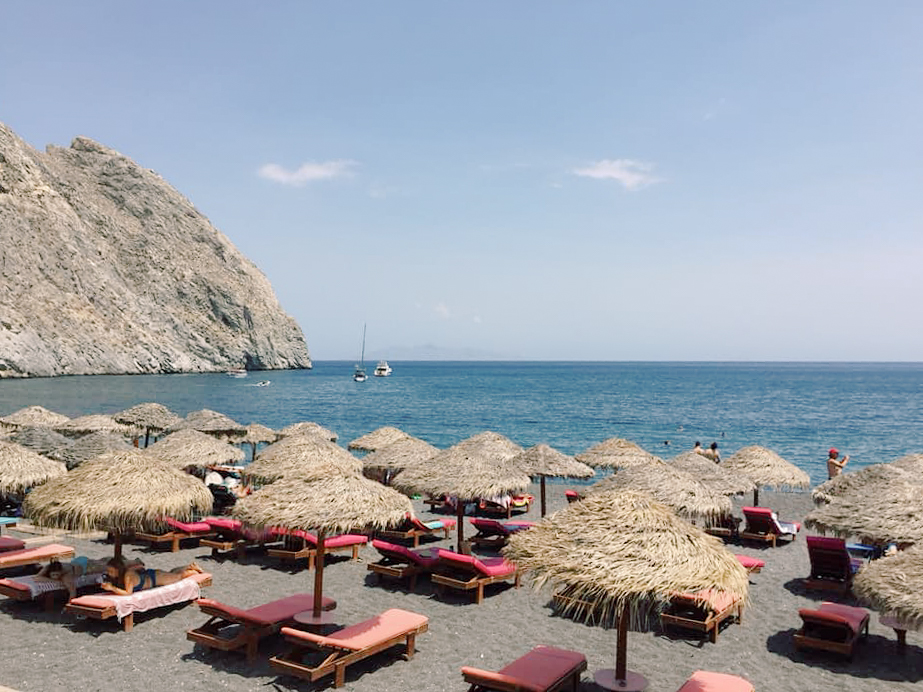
(496, 681)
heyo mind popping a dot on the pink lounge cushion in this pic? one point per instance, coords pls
(424, 558)
(704, 681)
(13, 584)
(7, 544)
(434, 525)
(758, 511)
(224, 523)
(36, 554)
(390, 624)
(836, 613)
(718, 601)
(826, 543)
(750, 562)
(543, 666)
(490, 527)
(489, 566)
(272, 613)
(344, 540)
(188, 527)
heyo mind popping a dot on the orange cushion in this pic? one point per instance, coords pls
(717, 601)
(704, 681)
(543, 666)
(37, 554)
(390, 624)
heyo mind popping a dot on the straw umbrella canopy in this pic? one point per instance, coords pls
(308, 428)
(91, 446)
(856, 482)
(41, 440)
(257, 433)
(187, 448)
(477, 467)
(910, 462)
(118, 492)
(33, 416)
(670, 486)
(297, 456)
(399, 455)
(711, 475)
(325, 504)
(615, 453)
(378, 439)
(150, 417)
(21, 469)
(619, 553)
(544, 461)
(766, 468)
(210, 422)
(97, 422)
(893, 585)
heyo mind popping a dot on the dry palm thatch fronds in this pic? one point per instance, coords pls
(33, 416)
(21, 469)
(399, 455)
(894, 585)
(378, 439)
(856, 482)
(544, 461)
(669, 486)
(615, 453)
(767, 469)
(149, 417)
(490, 445)
(41, 440)
(257, 433)
(620, 550)
(193, 448)
(91, 446)
(211, 422)
(97, 422)
(714, 477)
(297, 456)
(119, 492)
(883, 512)
(464, 475)
(910, 462)
(309, 428)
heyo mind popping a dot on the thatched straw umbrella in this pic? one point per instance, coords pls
(615, 453)
(210, 422)
(670, 486)
(296, 456)
(766, 468)
(256, 434)
(332, 504)
(91, 446)
(33, 416)
(882, 513)
(713, 476)
(308, 428)
(474, 468)
(910, 462)
(619, 552)
(398, 455)
(857, 481)
(893, 585)
(193, 448)
(41, 440)
(150, 417)
(378, 439)
(21, 469)
(118, 492)
(97, 422)
(544, 461)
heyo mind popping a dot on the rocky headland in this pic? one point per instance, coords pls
(105, 268)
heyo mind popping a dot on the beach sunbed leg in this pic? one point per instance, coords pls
(411, 645)
(128, 622)
(340, 675)
(174, 546)
(356, 552)
(479, 596)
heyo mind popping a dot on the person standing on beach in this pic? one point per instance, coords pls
(834, 464)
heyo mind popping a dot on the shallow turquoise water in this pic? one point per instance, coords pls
(874, 412)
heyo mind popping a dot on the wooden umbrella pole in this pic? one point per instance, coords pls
(319, 574)
(543, 496)
(147, 437)
(117, 538)
(756, 496)
(460, 513)
(621, 648)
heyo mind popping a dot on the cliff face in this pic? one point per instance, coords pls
(105, 268)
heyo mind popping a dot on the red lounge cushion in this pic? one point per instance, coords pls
(543, 666)
(489, 567)
(223, 523)
(391, 623)
(36, 554)
(704, 681)
(424, 558)
(13, 584)
(758, 511)
(826, 543)
(345, 539)
(7, 543)
(489, 527)
(190, 527)
(836, 613)
(750, 562)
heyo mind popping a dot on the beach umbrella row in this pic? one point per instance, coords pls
(21, 469)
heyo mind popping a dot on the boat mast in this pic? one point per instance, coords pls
(362, 357)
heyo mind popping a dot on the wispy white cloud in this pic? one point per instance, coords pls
(633, 175)
(442, 310)
(309, 172)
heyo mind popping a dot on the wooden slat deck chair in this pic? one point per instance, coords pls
(413, 529)
(493, 534)
(543, 669)
(178, 531)
(832, 567)
(764, 525)
(832, 627)
(752, 564)
(468, 573)
(705, 681)
(33, 588)
(34, 556)
(104, 606)
(515, 503)
(702, 611)
(399, 562)
(231, 538)
(232, 629)
(572, 496)
(302, 545)
(349, 645)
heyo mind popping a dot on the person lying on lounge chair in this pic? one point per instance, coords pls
(67, 573)
(123, 581)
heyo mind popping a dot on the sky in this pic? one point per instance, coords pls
(523, 179)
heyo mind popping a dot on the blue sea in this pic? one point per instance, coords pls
(873, 412)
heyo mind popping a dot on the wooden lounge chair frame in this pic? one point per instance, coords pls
(223, 548)
(496, 509)
(489, 680)
(837, 637)
(338, 659)
(7, 563)
(394, 565)
(415, 532)
(171, 537)
(298, 548)
(710, 624)
(476, 580)
(47, 599)
(832, 568)
(765, 530)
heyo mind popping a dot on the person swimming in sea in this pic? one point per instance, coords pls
(67, 573)
(123, 581)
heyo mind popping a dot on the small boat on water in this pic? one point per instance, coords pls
(382, 369)
(236, 372)
(263, 383)
(359, 373)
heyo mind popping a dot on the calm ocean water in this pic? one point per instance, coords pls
(873, 412)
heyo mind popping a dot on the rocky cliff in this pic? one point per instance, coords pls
(106, 268)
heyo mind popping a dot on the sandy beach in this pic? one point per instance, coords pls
(54, 651)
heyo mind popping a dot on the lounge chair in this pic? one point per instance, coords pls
(441, 503)
(704, 681)
(725, 526)
(752, 564)
(178, 531)
(467, 573)
(764, 525)
(702, 611)
(299, 545)
(7, 544)
(403, 563)
(831, 565)
(413, 529)
(231, 629)
(832, 627)
(517, 503)
(493, 534)
(543, 669)
(231, 538)
(8, 522)
(34, 556)
(349, 645)
(572, 496)
(102, 606)
(32, 588)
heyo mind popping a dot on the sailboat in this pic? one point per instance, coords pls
(359, 374)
